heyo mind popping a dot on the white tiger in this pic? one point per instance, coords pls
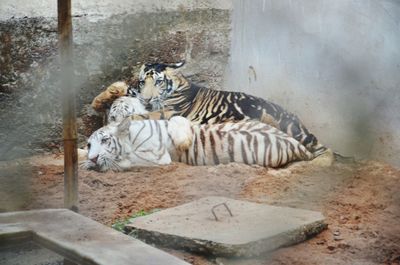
(123, 107)
(132, 143)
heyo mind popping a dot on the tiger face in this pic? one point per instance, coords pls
(157, 80)
(121, 146)
(103, 150)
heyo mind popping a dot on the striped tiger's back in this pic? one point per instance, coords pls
(248, 142)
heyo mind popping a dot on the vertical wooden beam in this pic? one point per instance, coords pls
(68, 105)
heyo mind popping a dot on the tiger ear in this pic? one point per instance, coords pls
(142, 68)
(176, 65)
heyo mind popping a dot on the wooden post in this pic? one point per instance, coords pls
(68, 105)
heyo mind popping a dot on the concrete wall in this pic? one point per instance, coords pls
(334, 63)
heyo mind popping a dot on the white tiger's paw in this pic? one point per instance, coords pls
(180, 130)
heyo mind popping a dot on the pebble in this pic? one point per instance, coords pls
(336, 236)
(331, 248)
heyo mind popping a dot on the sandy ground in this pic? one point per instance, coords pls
(361, 201)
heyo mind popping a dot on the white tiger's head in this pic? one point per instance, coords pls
(158, 80)
(123, 107)
(133, 143)
(104, 149)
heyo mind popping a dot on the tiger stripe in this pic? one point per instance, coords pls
(231, 148)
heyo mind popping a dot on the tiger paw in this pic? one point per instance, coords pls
(324, 160)
(181, 132)
(105, 98)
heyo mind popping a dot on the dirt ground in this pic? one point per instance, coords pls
(361, 202)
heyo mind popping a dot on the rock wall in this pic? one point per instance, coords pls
(110, 44)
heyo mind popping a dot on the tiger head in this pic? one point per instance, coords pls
(123, 107)
(159, 80)
(103, 150)
(130, 143)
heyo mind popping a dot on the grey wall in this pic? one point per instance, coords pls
(334, 63)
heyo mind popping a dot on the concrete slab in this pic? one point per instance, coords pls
(79, 239)
(252, 229)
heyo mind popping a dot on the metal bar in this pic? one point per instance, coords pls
(217, 205)
(68, 105)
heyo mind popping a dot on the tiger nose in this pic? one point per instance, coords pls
(94, 159)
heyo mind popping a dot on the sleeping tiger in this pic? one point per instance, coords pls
(123, 107)
(132, 143)
(170, 94)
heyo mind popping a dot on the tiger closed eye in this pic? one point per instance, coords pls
(159, 82)
(104, 140)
